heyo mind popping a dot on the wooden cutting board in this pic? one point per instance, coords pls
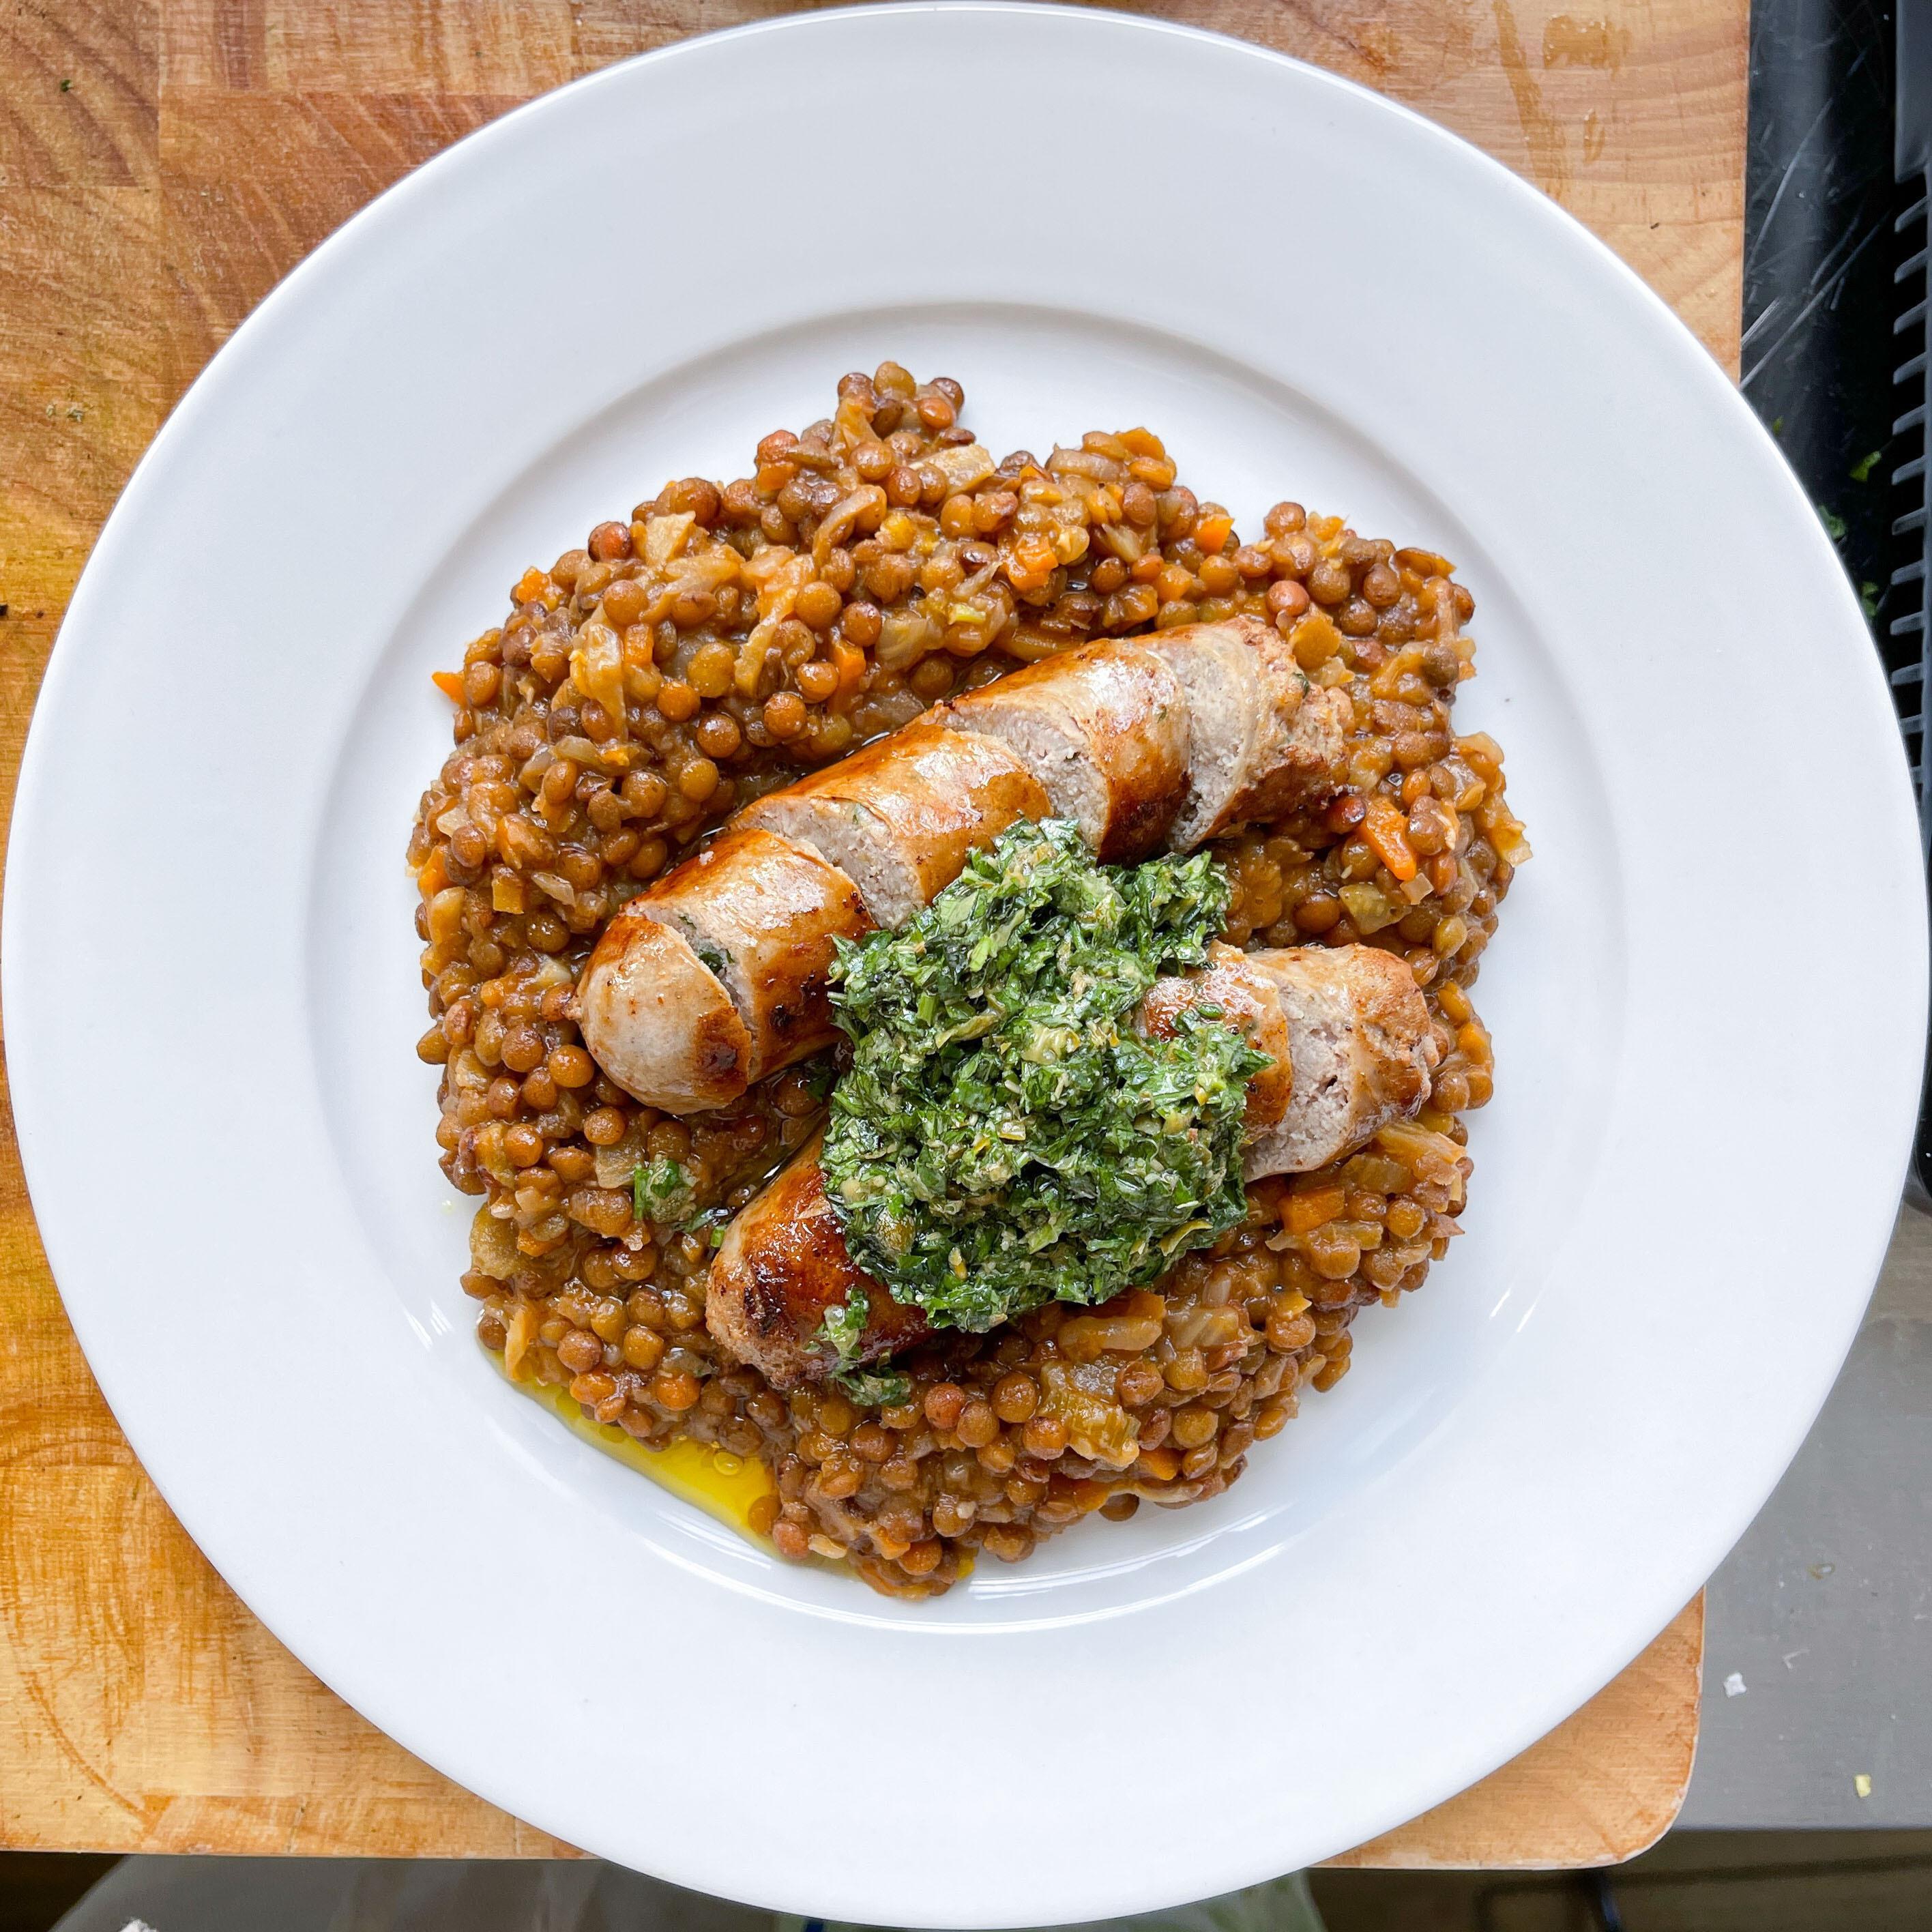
(163, 164)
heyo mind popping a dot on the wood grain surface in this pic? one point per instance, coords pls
(163, 163)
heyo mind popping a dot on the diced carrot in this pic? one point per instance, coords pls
(450, 683)
(434, 875)
(1033, 561)
(1387, 832)
(1143, 443)
(851, 663)
(1473, 1039)
(1301, 1213)
(531, 587)
(1212, 534)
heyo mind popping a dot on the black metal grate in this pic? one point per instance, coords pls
(1905, 638)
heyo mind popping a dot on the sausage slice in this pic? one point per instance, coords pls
(1247, 997)
(658, 1020)
(784, 1263)
(750, 922)
(1363, 1051)
(1261, 741)
(900, 818)
(1104, 729)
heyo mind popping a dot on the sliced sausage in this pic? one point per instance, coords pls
(1246, 996)
(900, 818)
(1261, 741)
(1104, 729)
(783, 1264)
(749, 923)
(658, 1020)
(1103, 735)
(1354, 1046)
(1363, 1051)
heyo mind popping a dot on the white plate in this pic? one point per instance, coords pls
(1708, 993)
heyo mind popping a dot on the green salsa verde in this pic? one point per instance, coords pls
(1004, 1137)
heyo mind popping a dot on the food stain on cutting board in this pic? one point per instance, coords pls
(1569, 42)
(1542, 132)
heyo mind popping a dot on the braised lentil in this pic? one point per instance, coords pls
(722, 640)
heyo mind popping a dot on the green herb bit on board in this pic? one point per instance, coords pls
(1004, 1137)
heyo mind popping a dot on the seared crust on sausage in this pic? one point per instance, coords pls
(1363, 1049)
(658, 1020)
(784, 1263)
(1247, 997)
(752, 918)
(1261, 741)
(902, 817)
(1104, 729)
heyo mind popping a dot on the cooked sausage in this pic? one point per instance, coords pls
(1363, 1049)
(1260, 740)
(1104, 735)
(717, 975)
(658, 1020)
(1353, 1046)
(900, 818)
(1104, 729)
(1247, 996)
(783, 1264)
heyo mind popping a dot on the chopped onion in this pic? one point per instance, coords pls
(665, 537)
(965, 468)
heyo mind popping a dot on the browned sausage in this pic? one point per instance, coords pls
(658, 1020)
(1261, 741)
(1103, 735)
(1364, 1052)
(902, 817)
(717, 975)
(784, 1263)
(1248, 998)
(1104, 729)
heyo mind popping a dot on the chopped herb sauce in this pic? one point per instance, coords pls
(659, 1190)
(1003, 1137)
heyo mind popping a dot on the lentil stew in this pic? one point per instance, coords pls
(723, 640)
